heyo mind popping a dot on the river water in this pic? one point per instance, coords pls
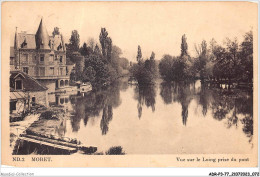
(162, 119)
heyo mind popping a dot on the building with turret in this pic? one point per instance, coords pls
(42, 56)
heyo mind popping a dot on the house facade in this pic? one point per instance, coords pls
(42, 57)
(25, 92)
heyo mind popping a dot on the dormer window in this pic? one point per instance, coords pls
(59, 47)
(24, 44)
(18, 85)
(50, 44)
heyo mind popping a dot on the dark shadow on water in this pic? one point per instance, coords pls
(97, 102)
(145, 95)
(180, 92)
(225, 104)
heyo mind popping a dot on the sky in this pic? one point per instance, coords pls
(155, 26)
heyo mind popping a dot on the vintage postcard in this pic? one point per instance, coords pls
(129, 84)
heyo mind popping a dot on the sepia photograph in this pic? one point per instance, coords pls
(142, 83)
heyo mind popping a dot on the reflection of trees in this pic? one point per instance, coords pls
(183, 93)
(248, 125)
(95, 102)
(145, 95)
(166, 92)
(203, 99)
(245, 106)
(222, 104)
(106, 118)
(227, 104)
(180, 92)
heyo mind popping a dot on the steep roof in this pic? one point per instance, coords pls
(29, 83)
(41, 37)
(40, 40)
(11, 52)
(29, 39)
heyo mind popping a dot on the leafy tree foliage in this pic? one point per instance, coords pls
(144, 72)
(56, 31)
(73, 45)
(184, 45)
(232, 62)
(102, 67)
(106, 44)
(139, 54)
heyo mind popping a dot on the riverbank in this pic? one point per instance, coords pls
(17, 128)
(46, 135)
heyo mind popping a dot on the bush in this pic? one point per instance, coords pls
(49, 115)
(115, 150)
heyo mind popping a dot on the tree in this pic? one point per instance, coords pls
(91, 43)
(56, 31)
(200, 64)
(98, 69)
(97, 50)
(74, 40)
(184, 45)
(165, 67)
(73, 45)
(106, 44)
(152, 56)
(232, 59)
(139, 54)
(89, 74)
(84, 50)
(246, 56)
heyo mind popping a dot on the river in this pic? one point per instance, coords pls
(164, 118)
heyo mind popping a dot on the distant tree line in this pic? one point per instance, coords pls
(102, 62)
(233, 62)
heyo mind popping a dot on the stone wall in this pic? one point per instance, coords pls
(40, 98)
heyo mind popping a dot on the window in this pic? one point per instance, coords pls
(61, 71)
(51, 58)
(18, 84)
(56, 57)
(42, 58)
(13, 106)
(61, 83)
(61, 100)
(52, 70)
(61, 59)
(33, 101)
(42, 71)
(24, 58)
(25, 69)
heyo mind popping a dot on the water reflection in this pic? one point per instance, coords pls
(109, 117)
(180, 92)
(145, 95)
(229, 104)
(95, 103)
